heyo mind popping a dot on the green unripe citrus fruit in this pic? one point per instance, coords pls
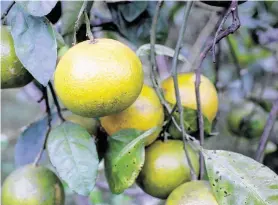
(247, 120)
(192, 193)
(30, 185)
(13, 74)
(166, 167)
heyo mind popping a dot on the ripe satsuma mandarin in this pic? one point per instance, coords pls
(145, 113)
(13, 74)
(31, 185)
(192, 193)
(186, 81)
(95, 79)
(166, 167)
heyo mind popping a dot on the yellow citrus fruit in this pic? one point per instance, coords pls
(90, 124)
(192, 193)
(186, 81)
(30, 185)
(145, 113)
(13, 74)
(166, 167)
(98, 79)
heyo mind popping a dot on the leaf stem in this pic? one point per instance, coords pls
(88, 27)
(56, 102)
(49, 119)
(174, 71)
(220, 35)
(7, 10)
(267, 130)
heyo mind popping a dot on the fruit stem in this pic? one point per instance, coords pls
(7, 10)
(49, 119)
(220, 35)
(54, 96)
(174, 71)
(267, 130)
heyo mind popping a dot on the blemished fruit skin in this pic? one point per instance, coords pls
(192, 193)
(186, 81)
(90, 124)
(13, 74)
(254, 124)
(166, 168)
(145, 113)
(95, 79)
(30, 185)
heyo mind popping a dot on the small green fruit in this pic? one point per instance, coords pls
(13, 74)
(30, 185)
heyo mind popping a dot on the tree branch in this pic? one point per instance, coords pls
(230, 10)
(49, 119)
(267, 130)
(56, 102)
(176, 85)
(220, 35)
(7, 10)
(154, 65)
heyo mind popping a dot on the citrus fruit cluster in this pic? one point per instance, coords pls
(101, 83)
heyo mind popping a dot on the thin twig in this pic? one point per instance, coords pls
(49, 119)
(77, 23)
(88, 28)
(154, 66)
(153, 41)
(54, 96)
(174, 73)
(220, 27)
(7, 10)
(217, 65)
(267, 130)
(231, 29)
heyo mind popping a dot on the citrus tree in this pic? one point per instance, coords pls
(131, 108)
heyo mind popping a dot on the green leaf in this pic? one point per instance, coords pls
(60, 41)
(124, 158)
(132, 10)
(237, 179)
(190, 123)
(159, 50)
(138, 30)
(72, 151)
(37, 8)
(35, 43)
(70, 11)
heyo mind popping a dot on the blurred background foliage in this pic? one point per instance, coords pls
(246, 69)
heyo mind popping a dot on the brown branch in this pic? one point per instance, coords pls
(221, 34)
(267, 130)
(49, 119)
